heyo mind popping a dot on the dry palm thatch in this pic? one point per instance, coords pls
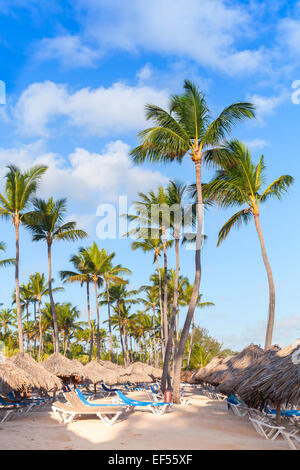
(139, 377)
(186, 376)
(140, 367)
(232, 383)
(232, 364)
(43, 379)
(64, 368)
(276, 383)
(200, 375)
(12, 378)
(96, 373)
(155, 373)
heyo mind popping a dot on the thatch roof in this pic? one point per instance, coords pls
(12, 378)
(155, 373)
(201, 374)
(139, 377)
(63, 367)
(278, 382)
(232, 364)
(186, 376)
(43, 379)
(96, 373)
(235, 380)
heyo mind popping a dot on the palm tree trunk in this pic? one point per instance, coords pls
(89, 320)
(160, 306)
(27, 320)
(163, 229)
(191, 345)
(195, 292)
(41, 332)
(271, 316)
(109, 320)
(154, 359)
(18, 303)
(166, 373)
(54, 318)
(121, 336)
(98, 320)
(34, 312)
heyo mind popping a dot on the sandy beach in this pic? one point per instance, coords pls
(206, 424)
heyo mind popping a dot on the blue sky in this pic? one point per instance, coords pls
(78, 75)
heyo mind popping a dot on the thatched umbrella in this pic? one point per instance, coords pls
(12, 378)
(96, 373)
(155, 373)
(233, 364)
(44, 380)
(201, 374)
(139, 377)
(277, 383)
(64, 368)
(235, 380)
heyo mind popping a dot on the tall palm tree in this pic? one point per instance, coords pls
(98, 262)
(151, 302)
(81, 275)
(186, 129)
(121, 297)
(26, 298)
(6, 319)
(156, 246)
(39, 288)
(240, 183)
(14, 201)
(46, 223)
(67, 314)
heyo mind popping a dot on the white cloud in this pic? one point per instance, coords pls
(101, 111)
(257, 144)
(206, 31)
(266, 105)
(68, 49)
(85, 177)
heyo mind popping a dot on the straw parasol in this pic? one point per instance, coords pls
(64, 368)
(96, 373)
(238, 378)
(12, 378)
(139, 377)
(229, 367)
(201, 374)
(43, 379)
(278, 382)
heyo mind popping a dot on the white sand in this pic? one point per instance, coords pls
(205, 424)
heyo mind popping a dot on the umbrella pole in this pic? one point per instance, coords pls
(278, 414)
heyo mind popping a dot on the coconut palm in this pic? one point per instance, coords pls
(46, 223)
(242, 183)
(67, 314)
(6, 319)
(83, 276)
(14, 201)
(39, 288)
(186, 129)
(97, 262)
(156, 246)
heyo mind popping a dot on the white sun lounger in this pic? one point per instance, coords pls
(267, 430)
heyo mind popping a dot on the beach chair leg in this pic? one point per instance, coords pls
(6, 416)
(107, 420)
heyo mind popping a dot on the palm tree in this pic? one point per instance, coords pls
(81, 275)
(150, 303)
(66, 319)
(122, 297)
(19, 189)
(25, 299)
(240, 183)
(156, 246)
(187, 130)
(39, 288)
(46, 223)
(6, 319)
(97, 262)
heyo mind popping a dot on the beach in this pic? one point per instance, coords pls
(205, 424)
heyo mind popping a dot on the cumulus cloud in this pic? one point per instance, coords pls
(87, 178)
(205, 31)
(68, 49)
(102, 111)
(266, 105)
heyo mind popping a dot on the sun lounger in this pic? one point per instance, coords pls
(157, 408)
(267, 430)
(292, 440)
(6, 413)
(22, 406)
(66, 412)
